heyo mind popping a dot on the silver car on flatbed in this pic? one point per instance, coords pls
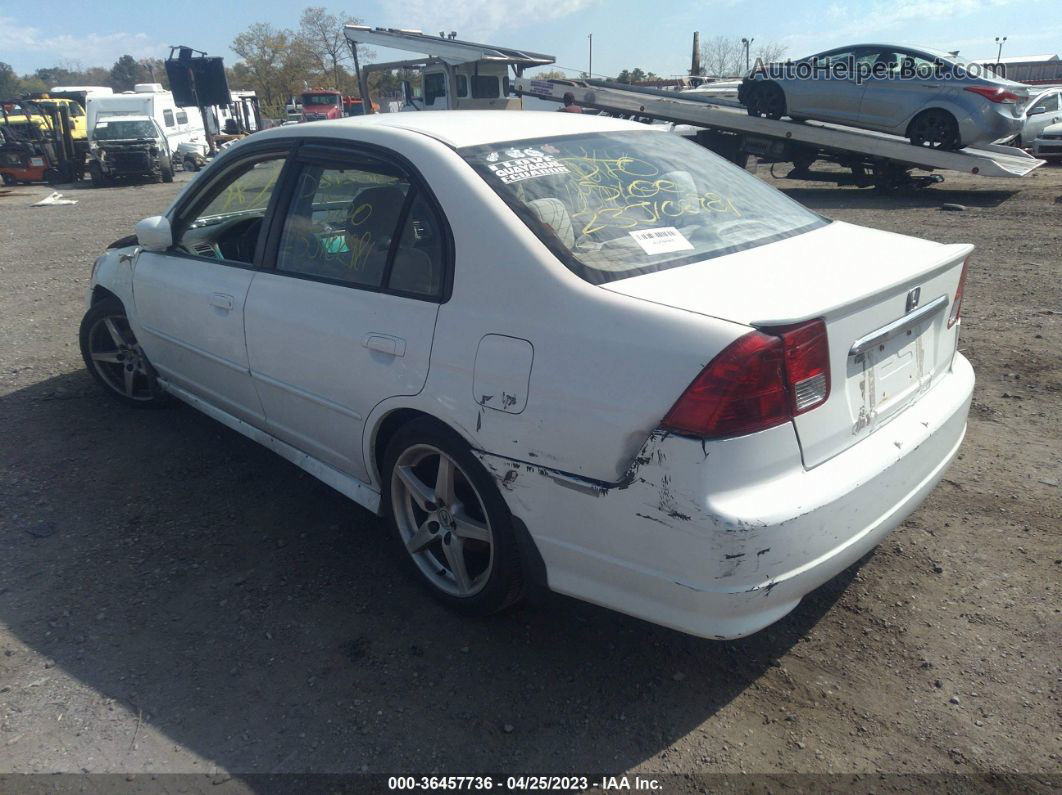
(931, 97)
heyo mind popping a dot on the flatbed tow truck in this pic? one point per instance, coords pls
(447, 67)
(874, 159)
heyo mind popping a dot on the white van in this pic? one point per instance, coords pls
(180, 125)
(477, 86)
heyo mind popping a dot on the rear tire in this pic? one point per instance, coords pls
(935, 129)
(766, 100)
(190, 164)
(114, 357)
(449, 522)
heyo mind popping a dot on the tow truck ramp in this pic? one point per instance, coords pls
(878, 159)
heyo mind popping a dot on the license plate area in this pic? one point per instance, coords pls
(891, 375)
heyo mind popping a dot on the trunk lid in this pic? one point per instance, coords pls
(863, 283)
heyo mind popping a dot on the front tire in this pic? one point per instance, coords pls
(167, 173)
(114, 357)
(450, 523)
(96, 175)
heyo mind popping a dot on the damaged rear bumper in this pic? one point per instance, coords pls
(720, 539)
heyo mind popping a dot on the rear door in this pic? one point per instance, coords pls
(345, 315)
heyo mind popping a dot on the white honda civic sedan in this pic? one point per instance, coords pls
(552, 349)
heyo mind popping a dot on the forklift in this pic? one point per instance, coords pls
(38, 144)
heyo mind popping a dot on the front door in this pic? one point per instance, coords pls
(1044, 111)
(346, 316)
(190, 299)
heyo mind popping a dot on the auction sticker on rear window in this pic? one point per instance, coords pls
(526, 164)
(662, 240)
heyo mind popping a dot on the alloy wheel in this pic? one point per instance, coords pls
(118, 358)
(442, 521)
(934, 130)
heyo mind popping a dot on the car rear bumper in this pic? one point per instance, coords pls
(988, 123)
(720, 539)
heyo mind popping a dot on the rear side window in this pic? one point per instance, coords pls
(484, 87)
(167, 117)
(363, 226)
(619, 204)
(182, 117)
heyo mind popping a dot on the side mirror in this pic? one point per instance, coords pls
(1038, 109)
(154, 234)
(407, 92)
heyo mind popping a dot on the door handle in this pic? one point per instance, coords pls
(385, 343)
(222, 301)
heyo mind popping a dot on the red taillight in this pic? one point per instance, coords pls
(761, 380)
(956, 305)
(994, 94)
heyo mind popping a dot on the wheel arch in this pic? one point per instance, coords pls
(100, 293)
(390, 422)
(936, 107)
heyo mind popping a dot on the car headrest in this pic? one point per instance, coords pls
(554, 214)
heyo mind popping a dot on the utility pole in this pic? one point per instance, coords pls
(999, 53)
(748, 45)
(590, 68)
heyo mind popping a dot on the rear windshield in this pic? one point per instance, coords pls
(614, 205)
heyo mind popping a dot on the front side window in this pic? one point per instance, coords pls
(619, 204)
(228, 226)
(434, 87)
(1049, 102)
(365, 226)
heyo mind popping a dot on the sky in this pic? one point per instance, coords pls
(655, 36)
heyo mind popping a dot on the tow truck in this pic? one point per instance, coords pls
(451, 69)
(724, 126)
(455, 74)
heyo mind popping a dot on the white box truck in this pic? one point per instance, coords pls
(179, 125)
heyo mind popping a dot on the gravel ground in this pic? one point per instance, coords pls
(174, 598)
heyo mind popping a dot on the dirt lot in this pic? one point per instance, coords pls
(174, 598)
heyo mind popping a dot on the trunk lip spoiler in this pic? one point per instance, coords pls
(898, 326)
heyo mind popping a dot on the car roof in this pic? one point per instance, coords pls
(459, 128)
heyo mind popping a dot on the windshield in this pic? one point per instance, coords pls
(614, 205)
(123, 130)
(320, 99)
